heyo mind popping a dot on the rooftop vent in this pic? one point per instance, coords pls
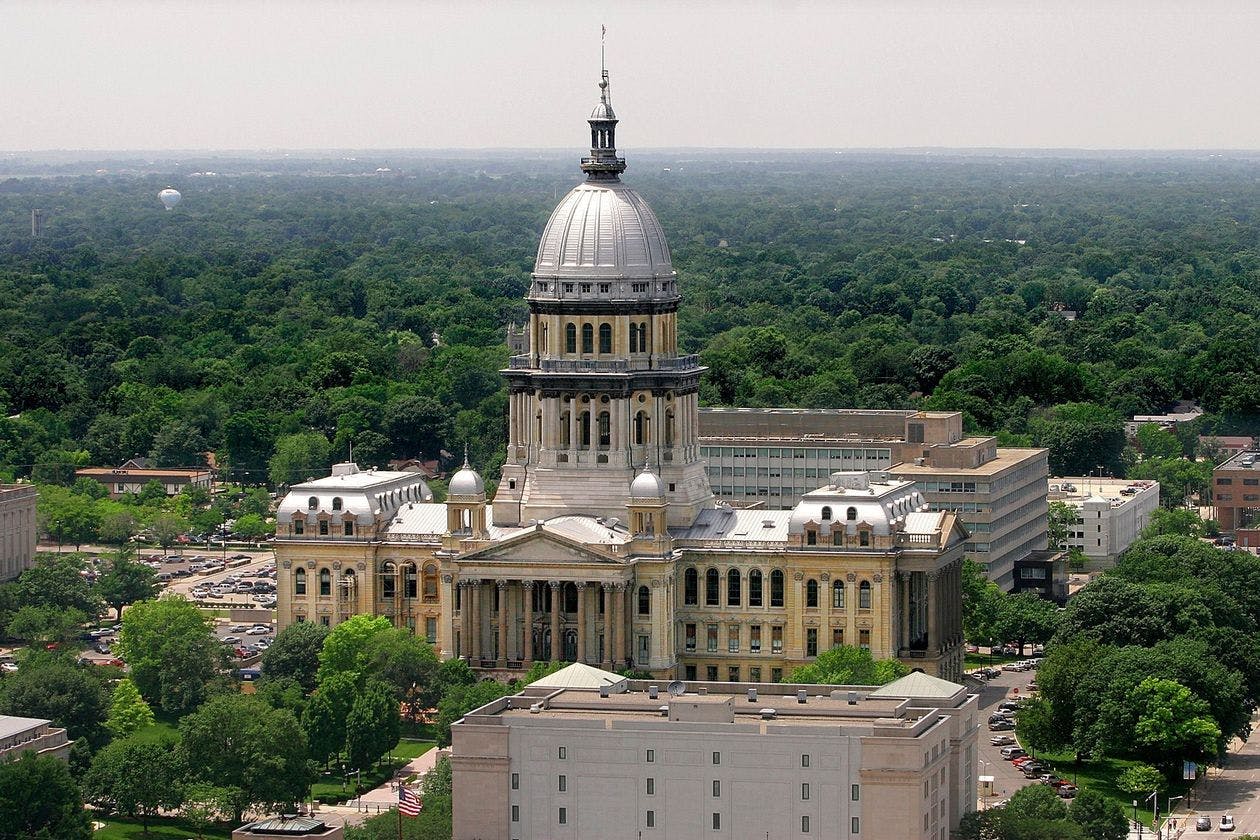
(767, 523)
(801, 696)
(603, 691)
(752, 695)
(853, 698)
(664, 710)
(768, 714)
(535, 708)
(653, 691)
(704, 689)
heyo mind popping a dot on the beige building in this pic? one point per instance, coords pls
(18, 532)
(132, 477)
(1236, 492)
(20, 735)
(1111, 514)
(617, 759)
(775, 455)
(603, 543)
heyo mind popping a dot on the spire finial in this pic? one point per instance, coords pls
(467, 466)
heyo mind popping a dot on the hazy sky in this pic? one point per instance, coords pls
(254, 74)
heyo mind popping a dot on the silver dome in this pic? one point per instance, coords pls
(603, 229)
(466, 482)
(603, 111)
(647, 485)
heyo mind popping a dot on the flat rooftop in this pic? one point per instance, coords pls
(363, 480)
(11, 725)
(1243, 461)
(1118, 491)
(1007, 458)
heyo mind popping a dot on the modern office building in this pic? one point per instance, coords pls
(603, 542)
(775, 455)
(18, 532)
(1236, 492)
(621, 759)
(1111, 514)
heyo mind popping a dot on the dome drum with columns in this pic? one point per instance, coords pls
(603, 543)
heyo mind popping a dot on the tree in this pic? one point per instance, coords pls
(151, 494)
(39, 799)
(46, 624)
(67, 516)
(325, 734)
(253, 527)
(1037, 727)
(167, 528)
(57, 580)
(848, 665)
(172, 652)
(1180, 521)
(178, 444)
(1169, 723)
(407, 664)
(1059, 517)
(982, 604)
(460, 700)
(1081, 438)
(136, 778)
(372, 727)
(127, 710)
(1099, 817)
(295, 653)
(50, 687)
(1179, 479)
(1141, 779)
(126, 581)
(203, 806)
(1026, 617)
(118, 528)
(1155, 442)
(346, 650)
(239, 743)
(299, 457)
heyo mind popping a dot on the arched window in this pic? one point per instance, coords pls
(776, 588)
(584, 430)
(837, 595)
(754, 588)
(348, 584)
(643, 337)
(570, 338)
(325, 582)
(640, 428)
(645, 601)
(732, 588)
(711, 587)
(409, 580)
(312, 503)
(669, 427)
(545, 343)
(864, 595)
(605, 338)
(811, 593)
(565, 428)
(299, 582)
(389, 581)
(429, 586)
(588, 338)
(826, 514)
(851, 514)
(605, 430)
(336, 503)
(634, 338)
(691, 589)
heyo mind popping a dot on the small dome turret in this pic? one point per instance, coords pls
(466, 482)
(647, 485)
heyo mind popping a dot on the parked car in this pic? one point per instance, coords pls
(258, 631)
(1203, 823)
(1002, 725)
(231, 640)
(1227, 823)
(1033, 769)
(1012, 753)
(1001, 740)
(1067, 791)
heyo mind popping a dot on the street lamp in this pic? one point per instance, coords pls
(57, 525)
(1135, 818)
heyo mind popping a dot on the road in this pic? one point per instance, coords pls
(1006, 779)
(1233, 789)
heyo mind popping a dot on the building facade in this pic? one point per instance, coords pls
(775, 455)
(603, 542)
(1236, 492)
(18, 531)
(630, 760)
(130, 478)
(20, 735)
(1111, 514)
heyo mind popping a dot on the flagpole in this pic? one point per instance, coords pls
(399, 809)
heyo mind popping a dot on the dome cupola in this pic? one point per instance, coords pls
(466, 482)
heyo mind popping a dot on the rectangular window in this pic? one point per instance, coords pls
(562, 753)
(325, 620)
(299, 527)
(805, 790)
(804, 825)
(717, 758)
(804, 759)
(864, 639)
(811, 641)
(754, 638)
(853, 825)
(711, 637)
(430, 630)
(323, 527)
(754, 674)
(347, 529)
(717, 821)
(732, 638)
(651, 819)
(516, 781)
(651, 787)
(837, 636)
(562, 784)
(717, 786)
(776, 675)
(854, 792)
(516, 813)
(564, 816)
(691, 637)
(732, 673)
(710, 673)
(651, 756)
(776, 640)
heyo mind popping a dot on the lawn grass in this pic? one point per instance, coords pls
(164, 727)
(1099, 775)
(329, 788)
(409, 749)
(160, 828)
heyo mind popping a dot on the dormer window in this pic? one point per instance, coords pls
(336, 503)
(864, 537)
(851, 514)
(826, 514)
(312, 503)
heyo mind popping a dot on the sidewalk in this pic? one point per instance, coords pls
(379, 800)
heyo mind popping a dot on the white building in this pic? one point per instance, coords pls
(1111, 514)
(17, 529)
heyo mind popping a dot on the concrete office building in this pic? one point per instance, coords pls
(1236, 492)
(626, 759)
(18, 532)
(1111, 514)
(775, 455)
(21, 734)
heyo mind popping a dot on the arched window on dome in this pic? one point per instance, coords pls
(645, 601)
(336, 503)
(851, 514)
(776, 588)
(712, 587)
(605, 338)
(811, 593)
(826, 513)
(754, 588)
(312, 503)
(588, 338)
(733, 588)
(570, 338)
(691, 588)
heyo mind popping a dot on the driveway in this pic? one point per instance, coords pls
(1233, 789)
(1006, 779)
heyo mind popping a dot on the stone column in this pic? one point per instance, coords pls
(527, 634)
(619, 624)
(501, 660)
(581, 621)
(933, 611)
(465, 620)
(557, 648)
(824, 601)
(609, 626)
(903, 623)
(446, 630)
(474, 604)
(794, 647)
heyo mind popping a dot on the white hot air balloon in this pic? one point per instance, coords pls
(170, 197)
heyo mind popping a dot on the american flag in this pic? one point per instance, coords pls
(408, 802)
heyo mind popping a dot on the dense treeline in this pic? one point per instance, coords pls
(267, 307)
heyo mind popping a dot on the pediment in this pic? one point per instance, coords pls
(537, 548)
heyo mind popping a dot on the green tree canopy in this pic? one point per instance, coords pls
(136, 778)
(172, 652)
(127, 710)
(52, 687)
(126, 581)
(295, 653)
(848, 665)
(39, 799)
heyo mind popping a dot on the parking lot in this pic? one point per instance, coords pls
(241, 567)
(1006, 779)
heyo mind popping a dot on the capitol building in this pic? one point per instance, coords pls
(603, 542)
